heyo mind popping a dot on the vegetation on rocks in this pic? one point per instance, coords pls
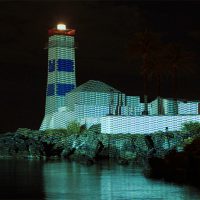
(180, 166)
(191, 128)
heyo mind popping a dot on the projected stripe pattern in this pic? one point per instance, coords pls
(61, 71)
(96, 102)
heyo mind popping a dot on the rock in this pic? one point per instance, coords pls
(122, 161)
(67, 152)
(128, 156)
(95, 129)
(82, 158)
(82, 147)
(162, 143)
(141, 146)
(88, 146)
(181, 167)
(157, 166)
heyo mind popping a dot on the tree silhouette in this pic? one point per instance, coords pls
(142, 47)
(157, 68)
(178, 61)
(158, 60)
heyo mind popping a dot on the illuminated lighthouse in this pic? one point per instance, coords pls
(61, 67)
(61, 71)
(95, 102)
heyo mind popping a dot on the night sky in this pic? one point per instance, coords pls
(104, 32)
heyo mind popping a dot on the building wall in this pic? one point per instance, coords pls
(132, 100)
(57, 120)
(89, 111)
(143, 124)
(140, 109)
(169, 107)
(95, 99)
(187, 108)
(61, 71)
(93, 106)
(154, 107)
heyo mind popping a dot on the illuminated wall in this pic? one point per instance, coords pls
(61, 69)
(93, 100)
(169, 107)
(144, 124)
(188, 108)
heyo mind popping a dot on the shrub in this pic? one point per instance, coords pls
(187, 141)
(74, 127)
(192, 128)
(53, 132)
(24, 131)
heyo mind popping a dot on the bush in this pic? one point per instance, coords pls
(56, 132)
(191, 128)
(74, 127)
(187, 141)
(24, 131)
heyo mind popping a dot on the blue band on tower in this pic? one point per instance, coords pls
(62, 89)
(50, 90)
(65, 65)
(51, 65)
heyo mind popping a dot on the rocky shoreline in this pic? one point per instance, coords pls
(173, 156)
(180, 167)
(87, 146)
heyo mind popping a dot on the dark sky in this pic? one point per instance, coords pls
(104, 31)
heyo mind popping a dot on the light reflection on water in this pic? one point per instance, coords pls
(74, 181)
(58, 180)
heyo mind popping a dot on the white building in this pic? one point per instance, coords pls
(171, 107)
(96, 102)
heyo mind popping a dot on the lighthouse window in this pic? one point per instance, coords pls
(66, 65)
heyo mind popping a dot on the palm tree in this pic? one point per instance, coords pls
(178, 60)
(156, 70)
(143, 45)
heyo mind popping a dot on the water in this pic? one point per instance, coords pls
(58, 180)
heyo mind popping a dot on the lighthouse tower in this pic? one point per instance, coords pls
(61, 67)
(61, 70)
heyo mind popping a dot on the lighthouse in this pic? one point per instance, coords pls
(61, 67)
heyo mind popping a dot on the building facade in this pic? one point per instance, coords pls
(96, 102)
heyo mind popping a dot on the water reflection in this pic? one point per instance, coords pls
(73, 181)
(21, 179)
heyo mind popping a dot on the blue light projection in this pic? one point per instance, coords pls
(50, 90)
(62, 89)
(51, 65)
(66, 65)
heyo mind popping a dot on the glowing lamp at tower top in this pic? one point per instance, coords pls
(61, 27)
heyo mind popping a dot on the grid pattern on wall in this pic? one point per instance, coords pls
(61, 71)
(144, 124)
(172, 107)
(94, 101)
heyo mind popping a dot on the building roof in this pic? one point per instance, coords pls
(95, 86)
